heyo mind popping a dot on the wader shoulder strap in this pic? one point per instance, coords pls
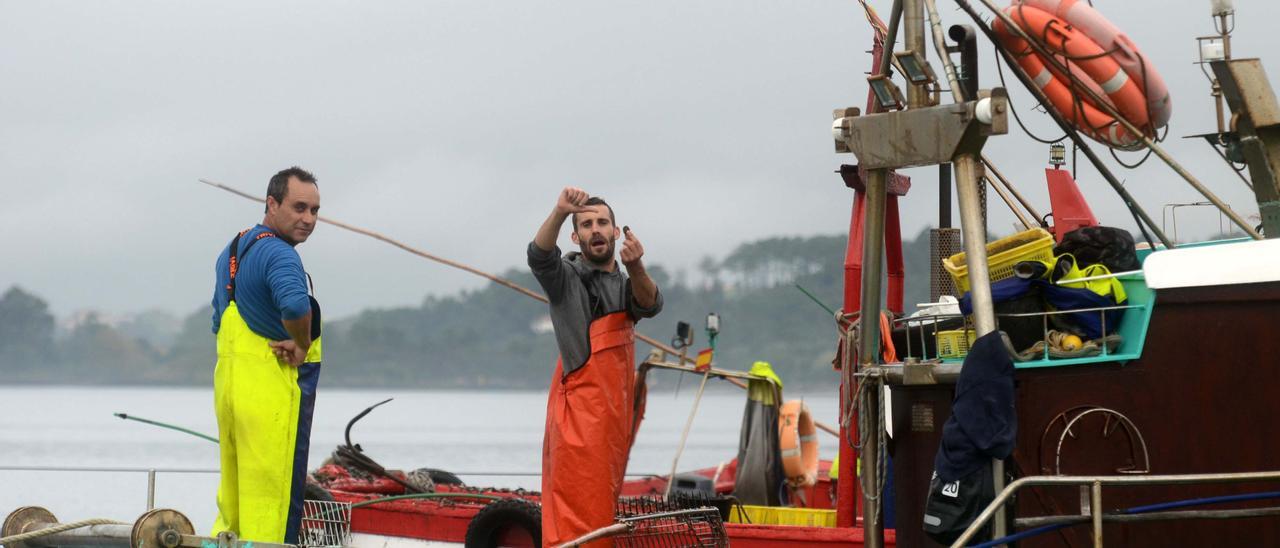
(234, 256)
(595, 303)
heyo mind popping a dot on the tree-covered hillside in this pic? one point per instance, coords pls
(487, 338)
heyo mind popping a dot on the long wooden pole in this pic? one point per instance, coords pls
(684, 436)
(495, 279)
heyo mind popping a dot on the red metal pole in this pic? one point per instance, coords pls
(893, 255)
(848, 494)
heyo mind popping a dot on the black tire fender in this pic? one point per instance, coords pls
(316, 492)
(503, 514)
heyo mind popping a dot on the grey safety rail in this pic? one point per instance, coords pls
(152, 473)
(1098, 517)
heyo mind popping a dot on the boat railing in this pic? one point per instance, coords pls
(152, 473)
(1097, 516)
(928, 325)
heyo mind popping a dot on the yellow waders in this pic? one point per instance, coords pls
(263, 406)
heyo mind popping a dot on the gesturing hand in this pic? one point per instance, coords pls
(571, 200)
(632, 250)
(289, 352)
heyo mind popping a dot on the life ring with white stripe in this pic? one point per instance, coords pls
(798, 439)
(1100, 57)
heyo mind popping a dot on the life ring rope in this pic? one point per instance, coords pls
(1096, 57)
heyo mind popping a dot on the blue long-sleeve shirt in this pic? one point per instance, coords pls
(270, 285)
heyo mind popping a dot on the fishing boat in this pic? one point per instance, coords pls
(1142, 404)
(1150, 430)
(1147, 414)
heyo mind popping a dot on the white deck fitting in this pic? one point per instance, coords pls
(1226, 264)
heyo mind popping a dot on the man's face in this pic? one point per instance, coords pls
(294, 219)
(595, 233)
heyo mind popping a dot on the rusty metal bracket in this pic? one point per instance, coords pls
(921, 136)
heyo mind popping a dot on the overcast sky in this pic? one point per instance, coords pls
(453, 124)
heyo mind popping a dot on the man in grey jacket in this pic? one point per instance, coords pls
(591, 418)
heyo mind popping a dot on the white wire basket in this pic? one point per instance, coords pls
(325, 524)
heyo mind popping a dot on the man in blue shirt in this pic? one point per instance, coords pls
(269, 352)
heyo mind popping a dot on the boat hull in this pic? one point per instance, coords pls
(1201, 400)
(435, 522)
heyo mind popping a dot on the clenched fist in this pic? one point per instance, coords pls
(632, 250)
(571, 200)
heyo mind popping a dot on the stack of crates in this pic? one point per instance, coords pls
(1030, 245)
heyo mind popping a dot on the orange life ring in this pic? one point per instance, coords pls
(1131, 86)
(798, 439)
(1087, 20)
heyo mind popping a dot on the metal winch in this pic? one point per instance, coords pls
(36, 527)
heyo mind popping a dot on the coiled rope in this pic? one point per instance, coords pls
(60, 528)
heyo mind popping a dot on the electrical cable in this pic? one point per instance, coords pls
(1078, 101)
(1013, 110)
(985, 27)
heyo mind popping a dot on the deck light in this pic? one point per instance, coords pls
(915, 67)
(888, 96)
(1212, 48)
(713, 323)
(1057, 155)
(684, 336)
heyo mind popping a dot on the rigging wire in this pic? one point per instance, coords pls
(1013, 110)
(985, 27)
(1078, 101)
(1144, 158)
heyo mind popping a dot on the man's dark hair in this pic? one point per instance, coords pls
(595, 200)
(278, 187)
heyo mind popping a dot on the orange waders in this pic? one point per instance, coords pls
(590, 428)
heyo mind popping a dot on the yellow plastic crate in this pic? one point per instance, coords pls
(1002, 254)
(777, 515)
(955, 343)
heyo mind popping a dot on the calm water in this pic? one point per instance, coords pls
(464, 432)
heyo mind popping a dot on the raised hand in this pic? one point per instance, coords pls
(571, 200)
(632, 250)
(289, 352)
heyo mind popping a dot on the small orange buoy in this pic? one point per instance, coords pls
(1071, 343)
(798, 439)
